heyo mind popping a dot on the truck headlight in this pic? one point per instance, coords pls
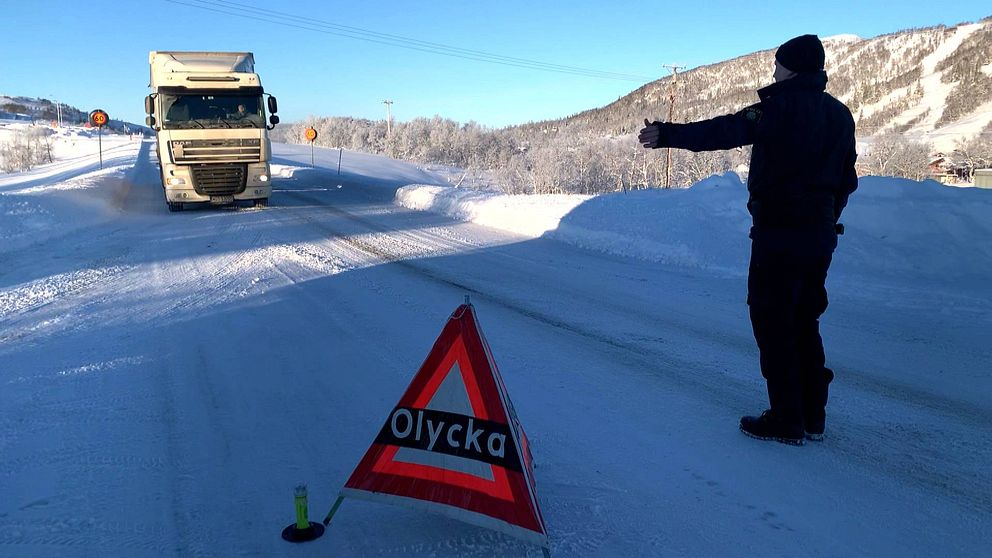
(263, 178)
(175, 181)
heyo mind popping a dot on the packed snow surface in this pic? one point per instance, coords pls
(167, 379)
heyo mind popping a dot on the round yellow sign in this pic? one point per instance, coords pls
(99, 118)
(310, 134)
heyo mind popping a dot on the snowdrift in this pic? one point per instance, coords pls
(895, 227)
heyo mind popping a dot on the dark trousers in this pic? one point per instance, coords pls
(786, 295)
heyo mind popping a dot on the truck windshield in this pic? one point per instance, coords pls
(212, 111)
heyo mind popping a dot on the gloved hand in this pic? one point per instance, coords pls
(650, 136)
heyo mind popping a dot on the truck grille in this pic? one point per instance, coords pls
(219, 180)
(221, 150)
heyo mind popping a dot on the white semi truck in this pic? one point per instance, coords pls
(211, 127)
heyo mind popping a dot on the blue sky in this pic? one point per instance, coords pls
(94, 53)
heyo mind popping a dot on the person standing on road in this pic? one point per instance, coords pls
(802, 172)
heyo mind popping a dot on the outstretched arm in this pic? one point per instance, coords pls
(722, 132)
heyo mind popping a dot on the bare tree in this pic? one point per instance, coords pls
(615, 165)
(894, 155)
(976, 153)
(23, 151)
(42, 137)
(515, 176)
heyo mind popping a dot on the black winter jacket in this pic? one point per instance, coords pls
(802, 163)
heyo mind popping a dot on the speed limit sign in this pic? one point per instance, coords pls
(311, 135)
(99, 118)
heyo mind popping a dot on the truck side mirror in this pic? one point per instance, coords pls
(273, 105)
(150, 121)
(273, 119)
(149, 105)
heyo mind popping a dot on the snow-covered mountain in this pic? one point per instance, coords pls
(933, 84)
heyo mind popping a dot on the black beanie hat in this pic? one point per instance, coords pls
(801, 54)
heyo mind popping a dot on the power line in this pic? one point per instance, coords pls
(224, 6)
(284, 19)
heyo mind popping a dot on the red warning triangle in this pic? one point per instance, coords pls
(453, 444)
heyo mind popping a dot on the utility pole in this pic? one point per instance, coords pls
(58, 112)
(389, 119)
(671, 115)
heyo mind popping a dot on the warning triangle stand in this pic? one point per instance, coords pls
(453, 444)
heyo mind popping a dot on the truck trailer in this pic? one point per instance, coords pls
(211, 128)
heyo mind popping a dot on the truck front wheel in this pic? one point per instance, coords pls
(175, 206)
(262, 202)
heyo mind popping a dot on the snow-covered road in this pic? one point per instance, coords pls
(167, 379)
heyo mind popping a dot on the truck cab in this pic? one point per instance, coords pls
(209, 113)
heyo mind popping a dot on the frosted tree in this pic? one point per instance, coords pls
(894, 155)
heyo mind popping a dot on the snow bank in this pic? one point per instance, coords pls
(903, 228)
(68, 142)
(68, 194)
(704, 226)
(894, 226)
(527, 215)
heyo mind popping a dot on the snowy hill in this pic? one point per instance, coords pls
(167, 379)
(44, 111)
(30, 108)
(933, 84)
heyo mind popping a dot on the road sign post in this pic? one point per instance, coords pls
(311, 135)
(99, 118)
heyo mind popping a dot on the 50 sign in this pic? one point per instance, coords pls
(99, 118)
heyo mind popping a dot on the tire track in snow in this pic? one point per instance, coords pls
(68, 289)
(49, 289)
(94, 416)
(479, 543)
(71, 292)
(40, 536)
(195, 283)
(236, 268)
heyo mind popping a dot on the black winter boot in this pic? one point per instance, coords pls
(814, 431)
(769, 427)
